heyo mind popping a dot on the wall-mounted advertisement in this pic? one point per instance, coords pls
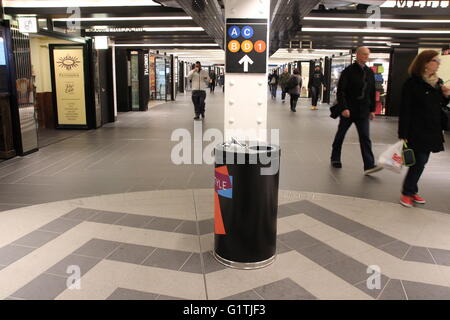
(68, 66)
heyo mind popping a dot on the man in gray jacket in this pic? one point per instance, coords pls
(200, 81)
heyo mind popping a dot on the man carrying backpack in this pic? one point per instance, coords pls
(293, 86)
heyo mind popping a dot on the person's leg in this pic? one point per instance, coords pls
(363, 127)
(313, 97)
(202, 103)
(294, 103)
(283, 94)
(274, 91)
(410, 187)
(291, 101)
(344, 125)
(196, 102)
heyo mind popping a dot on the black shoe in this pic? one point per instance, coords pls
(336, 164)
(203, 116)
(196, 118)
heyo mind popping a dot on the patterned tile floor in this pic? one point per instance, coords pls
(158, 245)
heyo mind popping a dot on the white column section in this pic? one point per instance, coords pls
(246, 93)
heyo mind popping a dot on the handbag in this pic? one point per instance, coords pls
(408, 156)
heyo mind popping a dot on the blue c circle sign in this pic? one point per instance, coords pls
(247, 32)
(234, 32)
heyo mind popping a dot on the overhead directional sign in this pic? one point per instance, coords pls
(246, 46)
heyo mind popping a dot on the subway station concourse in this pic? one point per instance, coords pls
(108, 187)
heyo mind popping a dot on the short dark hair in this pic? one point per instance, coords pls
(417, 67)
(198, 62)
(296, 71)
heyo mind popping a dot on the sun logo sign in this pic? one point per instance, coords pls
(68, 62)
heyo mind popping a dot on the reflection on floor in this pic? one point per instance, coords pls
(157, 245)
(50, 136)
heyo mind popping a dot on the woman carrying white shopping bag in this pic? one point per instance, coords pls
(421, 119)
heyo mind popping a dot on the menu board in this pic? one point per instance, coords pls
(69, 86)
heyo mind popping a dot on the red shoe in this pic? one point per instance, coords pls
(418, 199)
(406, 201)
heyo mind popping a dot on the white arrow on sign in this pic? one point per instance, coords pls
(246, 60)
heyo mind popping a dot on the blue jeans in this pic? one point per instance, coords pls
(410, 187)
(362, 125)
(273, 90)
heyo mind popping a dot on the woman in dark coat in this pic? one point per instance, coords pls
(421, 120)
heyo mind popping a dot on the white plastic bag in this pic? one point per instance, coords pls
(391, 159)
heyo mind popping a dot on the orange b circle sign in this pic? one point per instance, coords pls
(234, 46)
(260, 46)
(247, 46)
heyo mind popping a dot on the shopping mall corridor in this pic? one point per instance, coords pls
(134, 154)
(110, 206)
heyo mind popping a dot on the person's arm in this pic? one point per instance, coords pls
(190, 74)
(342, 90)
(404, 119)
(373, 92)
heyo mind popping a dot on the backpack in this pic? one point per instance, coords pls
(292, 82)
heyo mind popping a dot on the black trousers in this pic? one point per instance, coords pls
(198, 98)
(283, 93)
(294, 99)
(315, 91)
(362, 125)
(410, 187)
(212, 86)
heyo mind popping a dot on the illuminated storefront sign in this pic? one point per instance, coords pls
(69, 83)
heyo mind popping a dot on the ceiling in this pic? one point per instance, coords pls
(198, 24)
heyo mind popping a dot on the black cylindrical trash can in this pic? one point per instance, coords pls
(246, 203)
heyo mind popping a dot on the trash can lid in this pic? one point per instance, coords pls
(248, 147)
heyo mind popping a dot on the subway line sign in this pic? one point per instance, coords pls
(246, 47)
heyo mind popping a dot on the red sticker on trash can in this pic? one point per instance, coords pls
(223, 186)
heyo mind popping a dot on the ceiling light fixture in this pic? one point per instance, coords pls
(380, 20)
(122, 19)
(355, 30)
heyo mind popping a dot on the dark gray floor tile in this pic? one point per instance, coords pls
(372, 288)
(211, 264)
(441, 256)
(285, 289)
(97, 248)
(419, 254)
(322, 254)
(373, 237)
(84, 263)
(246, 295)
(297, 240)
(11, 253)
(36, 239)
(163, 224)
(350, 270)
(131, 253)
(167, 259)
(285, 211)
(393, 291)
(60, 225)
(44, 287)
(80, 214)
(396, 248)
(206, 226)
(282, 248)
(297, 207)
(425, 291)
(193, 264)
(134, 220)
(127, 294)
(187, 227)
(106, 217)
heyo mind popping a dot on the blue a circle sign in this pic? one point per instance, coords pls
(247, 32)
(234, 32)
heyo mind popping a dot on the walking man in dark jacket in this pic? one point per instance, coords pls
(356, 97)
(315, 85)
